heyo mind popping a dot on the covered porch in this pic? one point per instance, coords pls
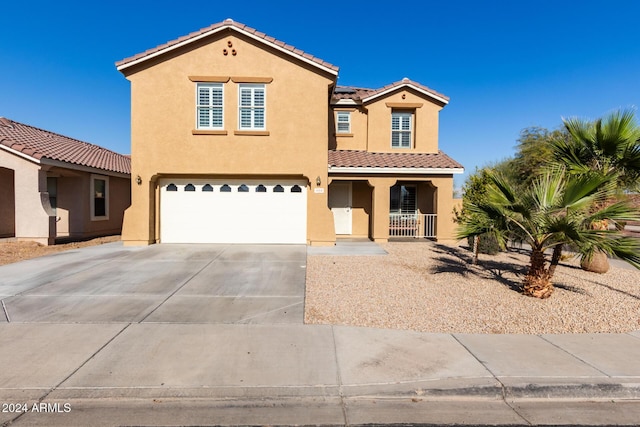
(386, 208)
(382, 196)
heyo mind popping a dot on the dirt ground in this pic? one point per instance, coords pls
(17, 251)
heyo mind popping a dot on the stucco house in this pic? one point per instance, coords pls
(54, 187)
(240, 138)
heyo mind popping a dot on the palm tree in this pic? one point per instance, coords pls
(604, 146)
(609, 146)
(557, 209)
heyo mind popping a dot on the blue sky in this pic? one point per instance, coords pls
(506, 65)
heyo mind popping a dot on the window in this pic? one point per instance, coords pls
(207, 187)
(172, 187)
(403, 199)
(99, 197)
(189, 187)
(278, 189)
(261, 189)
(209, 106)
(401, 130)
(243, 189)
(225, 189)
(252, 107)
(343, 122)
(296, 189)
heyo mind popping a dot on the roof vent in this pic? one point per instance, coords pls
(228, 20)
(405, 79)
(4, 122)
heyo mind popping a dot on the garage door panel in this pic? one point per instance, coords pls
(232, 217)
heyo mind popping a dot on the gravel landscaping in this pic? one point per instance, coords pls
(429, 287)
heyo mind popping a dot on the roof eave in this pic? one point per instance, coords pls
(394, 170)
(441, 99)
(82, 168)
(121, 65)
(20, 154)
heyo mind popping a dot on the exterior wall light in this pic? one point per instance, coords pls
(138, 180)
(318, 181)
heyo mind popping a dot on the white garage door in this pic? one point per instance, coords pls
(232, 211)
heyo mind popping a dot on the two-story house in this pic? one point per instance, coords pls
(240, 138)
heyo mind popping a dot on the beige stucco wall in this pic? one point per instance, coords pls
(73, 213)
(371, 123)
(357, 139)
(425, 122)
(163, 120)
(32, 220)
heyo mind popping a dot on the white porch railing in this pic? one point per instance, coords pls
(412, 225)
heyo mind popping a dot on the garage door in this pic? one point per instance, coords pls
(232, 211)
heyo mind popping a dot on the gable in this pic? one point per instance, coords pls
(219, 29)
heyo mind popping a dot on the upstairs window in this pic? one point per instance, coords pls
(252, 106)
(343, 122)
(209, 106)
(401, 129)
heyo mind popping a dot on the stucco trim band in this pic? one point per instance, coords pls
(209, 79)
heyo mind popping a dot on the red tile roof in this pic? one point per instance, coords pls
(366, 159)
(359, 94)
(231, 24)
(39, 144)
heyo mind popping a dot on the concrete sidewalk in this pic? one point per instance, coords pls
(296, 374)
(147, 372)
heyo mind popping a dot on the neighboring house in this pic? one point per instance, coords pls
(52, 186)
(240, 138)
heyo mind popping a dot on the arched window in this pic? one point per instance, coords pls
(243, 189)
(261, 189)
(225, 189)
(278, 189)
(207, 187)
(172, 187)
(296, 189)
(189, 187)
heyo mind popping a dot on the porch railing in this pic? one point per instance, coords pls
(412, 225)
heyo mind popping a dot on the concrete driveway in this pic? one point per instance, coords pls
(261, 284)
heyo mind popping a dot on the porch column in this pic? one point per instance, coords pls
(445, 227)
(380, 208)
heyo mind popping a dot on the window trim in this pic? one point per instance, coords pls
(400, 131)
(210, 107)
(348, 122)
(252, 107)
(92, 199)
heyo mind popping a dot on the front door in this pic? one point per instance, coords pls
(340, 204)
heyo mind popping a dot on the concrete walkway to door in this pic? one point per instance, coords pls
(160, 283)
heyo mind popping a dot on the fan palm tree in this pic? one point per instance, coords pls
(604, 146)
(557, 209)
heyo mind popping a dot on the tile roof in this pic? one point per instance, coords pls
(366, 159)
(39, 144)
(359, 94)
(227, 23)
